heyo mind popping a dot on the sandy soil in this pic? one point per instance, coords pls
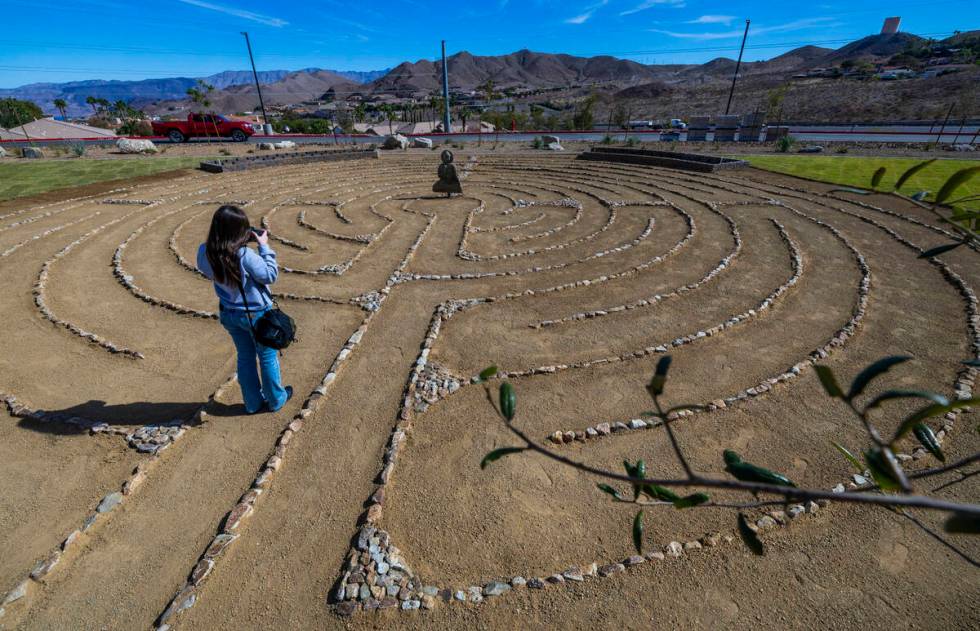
(455, 524)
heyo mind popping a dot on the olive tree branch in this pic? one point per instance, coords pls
(789, 493)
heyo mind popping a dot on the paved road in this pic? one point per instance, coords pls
(853, 133)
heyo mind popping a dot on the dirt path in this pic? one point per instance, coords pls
(575, 278)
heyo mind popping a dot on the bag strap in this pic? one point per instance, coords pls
(241, 288)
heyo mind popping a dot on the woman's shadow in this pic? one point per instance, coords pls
(79, 419)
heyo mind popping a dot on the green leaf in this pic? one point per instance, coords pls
(910, 172)
(657, 492)
(876, 369)
(656, 385)
(630, 469)
(508, 400)
(829, 382)
(605, 488)
(876, 177)
(694, 499)
(973, 362)
(906, 394)
(963, 523)
(487, 372)
(955, 181)
(497, 454)
(880, 471)
(927, 438)
(940, 249)
(850, 457)
(930, 411)
(749, 536)
(639, 471)
(638, 532)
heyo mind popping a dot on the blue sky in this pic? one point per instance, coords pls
(66, 40)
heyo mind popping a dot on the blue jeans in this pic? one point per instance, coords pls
(270, 390)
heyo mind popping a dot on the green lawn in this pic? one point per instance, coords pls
(26, 177)
(857, 171)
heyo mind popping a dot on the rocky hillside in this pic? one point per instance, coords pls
(523, 68)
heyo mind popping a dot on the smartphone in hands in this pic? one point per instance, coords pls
(258, 235)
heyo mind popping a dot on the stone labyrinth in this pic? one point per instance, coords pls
(365, 492)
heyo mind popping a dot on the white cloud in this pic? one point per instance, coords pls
(238, 13)
(713, 19)
(584, 17)
(758, 30)
(649, 4)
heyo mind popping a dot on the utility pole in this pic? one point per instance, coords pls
(446, 125)
(738, 65)
(939, 137)
(267, 127)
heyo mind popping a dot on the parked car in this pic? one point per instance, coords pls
(676, 123)
(198, 125)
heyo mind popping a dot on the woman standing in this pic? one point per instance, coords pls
(241, 274)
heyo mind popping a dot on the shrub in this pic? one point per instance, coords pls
(77, 149)
(538, 143)
(632, 141)
(607, 139)
(784, 143)
(841, 149)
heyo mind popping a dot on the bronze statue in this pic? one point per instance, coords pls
(448, 179)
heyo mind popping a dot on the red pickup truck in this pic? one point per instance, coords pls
(203, 125)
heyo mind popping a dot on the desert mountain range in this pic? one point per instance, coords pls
(521, 69)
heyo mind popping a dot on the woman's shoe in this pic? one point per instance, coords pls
(289, 395)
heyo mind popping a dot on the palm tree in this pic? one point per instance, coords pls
(389, 111)
(91, 100)
(62, 106)
(464, 113)
(359, 112)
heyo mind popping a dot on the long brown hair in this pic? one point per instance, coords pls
(228, 234)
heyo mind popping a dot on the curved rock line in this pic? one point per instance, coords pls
(231, 528)
(350, 591)
(796, 192)
(369, 533)
(71, 200)
(50, 316)
(127, 281)
(47, 232)
(660, 258)
(57, 558)
(564, 202)
(475, 275)
(963, 386)
(513, 226)
(837, 340)
(796, 260)
(465, 254)
(716, 271)
(50, 213)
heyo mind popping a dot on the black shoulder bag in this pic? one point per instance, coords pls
(275, 329)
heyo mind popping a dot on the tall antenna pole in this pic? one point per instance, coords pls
(738, 64)
(255, 75)
(445, 91)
